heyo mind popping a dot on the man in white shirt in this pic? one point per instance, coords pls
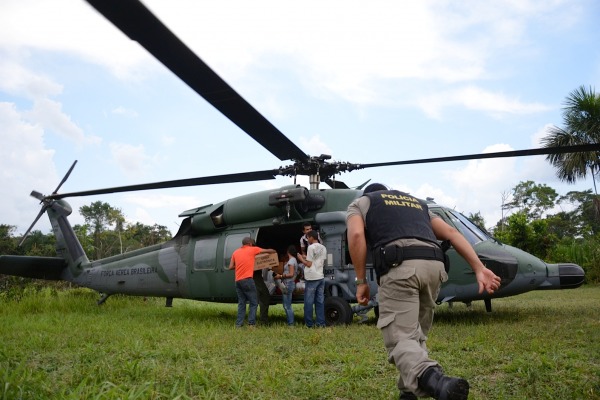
(314, 290)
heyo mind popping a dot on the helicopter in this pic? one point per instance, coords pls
(193, 264)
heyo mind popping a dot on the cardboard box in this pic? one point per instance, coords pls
(267, 260)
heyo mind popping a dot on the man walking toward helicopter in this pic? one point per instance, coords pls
(402, 235)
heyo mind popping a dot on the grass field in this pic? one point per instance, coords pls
(61, 345)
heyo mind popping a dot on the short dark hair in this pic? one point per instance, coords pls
(247, 241)
(375, 187)
(292, 250)
(313, 234)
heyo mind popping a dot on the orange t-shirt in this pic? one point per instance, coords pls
(243, 259)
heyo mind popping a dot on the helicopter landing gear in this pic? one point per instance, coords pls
(103, 299)
(488, 304)
(169, 302)
(337, 311)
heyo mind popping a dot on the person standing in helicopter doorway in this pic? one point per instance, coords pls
(306, 227)
(410, 265)
(288, 277)
(242, 261)
(314, 290)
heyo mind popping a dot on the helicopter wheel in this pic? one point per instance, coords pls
(337, 311)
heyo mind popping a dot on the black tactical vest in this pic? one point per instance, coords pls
(396, 215)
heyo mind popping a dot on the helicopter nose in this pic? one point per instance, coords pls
(563, 276)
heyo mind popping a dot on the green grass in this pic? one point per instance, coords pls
(540, 345)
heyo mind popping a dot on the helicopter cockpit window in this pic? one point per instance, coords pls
(205, 253)
(469, 230)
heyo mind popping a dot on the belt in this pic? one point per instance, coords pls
(393, 255)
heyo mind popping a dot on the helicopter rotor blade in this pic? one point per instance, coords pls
(42, 211)
(501, 154)
(37, 195)
(271, 174)
(137, 22)
(206, 180)
(63, 179)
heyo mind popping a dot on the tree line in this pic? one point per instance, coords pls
(555, 228)
(105, 233)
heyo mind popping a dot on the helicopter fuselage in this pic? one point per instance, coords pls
(194, 264)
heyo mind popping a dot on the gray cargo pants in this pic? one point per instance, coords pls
(406, 297)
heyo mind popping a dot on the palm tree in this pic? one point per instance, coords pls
(581, 116)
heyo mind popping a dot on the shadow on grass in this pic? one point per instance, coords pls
(454, 316)
(223, 314)
(478, 317)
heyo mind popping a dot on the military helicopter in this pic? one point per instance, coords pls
(193, 265)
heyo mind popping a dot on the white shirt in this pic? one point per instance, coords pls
(316, 254)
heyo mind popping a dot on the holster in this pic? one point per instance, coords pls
(390, 256)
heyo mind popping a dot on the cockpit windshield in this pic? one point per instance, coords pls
(470, 231)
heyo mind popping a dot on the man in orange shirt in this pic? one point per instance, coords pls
(242, 261)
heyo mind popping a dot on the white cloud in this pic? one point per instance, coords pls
(346, 48)
(45, 112)
(142, 216)
(536, 139)
(154, 201)
(127, 112)
(25, 165)
(480, 184)
(477, 99)
(21, 81)
(314, 145)
(76, 29)
(152, 208)
(49, 114)
(131, 160)
(167, 140)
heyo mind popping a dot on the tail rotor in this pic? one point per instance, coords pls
(46, 203)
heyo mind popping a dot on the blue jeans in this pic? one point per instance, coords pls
(314, 293)
(287, 301)
(246, 292)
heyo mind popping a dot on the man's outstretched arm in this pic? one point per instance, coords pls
(485, 278)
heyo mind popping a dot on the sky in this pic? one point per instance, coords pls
(364, 82)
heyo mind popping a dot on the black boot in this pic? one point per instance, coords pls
(407, 396)
(442, 387)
